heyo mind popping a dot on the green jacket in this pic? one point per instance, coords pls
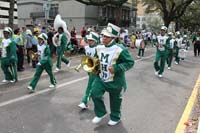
(63, 43)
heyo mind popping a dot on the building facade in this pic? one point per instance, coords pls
(4, 15)
(148, 21)
(75, 14)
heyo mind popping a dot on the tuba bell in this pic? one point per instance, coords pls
(33, 56)
(89, 64)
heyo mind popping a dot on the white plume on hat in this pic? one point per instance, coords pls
(58, 22)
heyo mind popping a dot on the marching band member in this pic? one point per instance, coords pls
(115, 60)
(45, 63)
(169, 49)
(179, 41)
(160, 52)
(90, 50)
(186, 42)
(60, 40)
(9, 56)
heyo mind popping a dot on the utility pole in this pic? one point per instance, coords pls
(46, 8)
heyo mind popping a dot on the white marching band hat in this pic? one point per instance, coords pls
(164, 28)
(43, 36)
(93, 36)
(111, 30)
(178, 33)
(29, 32)
(8, 29)
(170, 33)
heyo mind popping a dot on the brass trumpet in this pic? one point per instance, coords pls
(33, 56)
(89, 64)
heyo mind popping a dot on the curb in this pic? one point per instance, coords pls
(185, 116)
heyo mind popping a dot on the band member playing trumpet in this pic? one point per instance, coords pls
(90, 50)
(9, 56)
(45, 63)
(159, 63)
(114, 60)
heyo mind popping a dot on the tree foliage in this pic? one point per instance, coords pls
(191, 17)
(170, 10)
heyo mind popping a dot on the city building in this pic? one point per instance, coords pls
(146, 21)
(4, 15)
(76, 14)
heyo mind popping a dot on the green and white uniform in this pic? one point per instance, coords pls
(62, 43)
(177, 47)
(9, 59)
(45, 63)
(160, 54)
(90, 51)
(169, 51)
(119, 58)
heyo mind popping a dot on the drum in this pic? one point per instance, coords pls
(138, 43)
(182, 53)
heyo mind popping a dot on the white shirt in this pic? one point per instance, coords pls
(162, 41)
(5, 44)
(41, 49)
(90, 51)
(179, 42)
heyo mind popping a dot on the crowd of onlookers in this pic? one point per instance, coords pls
(28, 41)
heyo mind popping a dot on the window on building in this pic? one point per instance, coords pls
(138, 19)
(143, 19)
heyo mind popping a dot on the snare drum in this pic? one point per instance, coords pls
(182, 53)
(138, 43)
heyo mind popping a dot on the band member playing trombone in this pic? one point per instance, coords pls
(45, 63)
(114, 60)
(90, 50)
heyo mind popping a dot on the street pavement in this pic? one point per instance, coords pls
(150, 104)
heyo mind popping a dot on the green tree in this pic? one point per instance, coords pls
(11, 13)
(191, 17)
(170, 10)
(154, 24)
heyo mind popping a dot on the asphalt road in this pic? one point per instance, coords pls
(150, 104)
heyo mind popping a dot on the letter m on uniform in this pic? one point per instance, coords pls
(104, 57)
